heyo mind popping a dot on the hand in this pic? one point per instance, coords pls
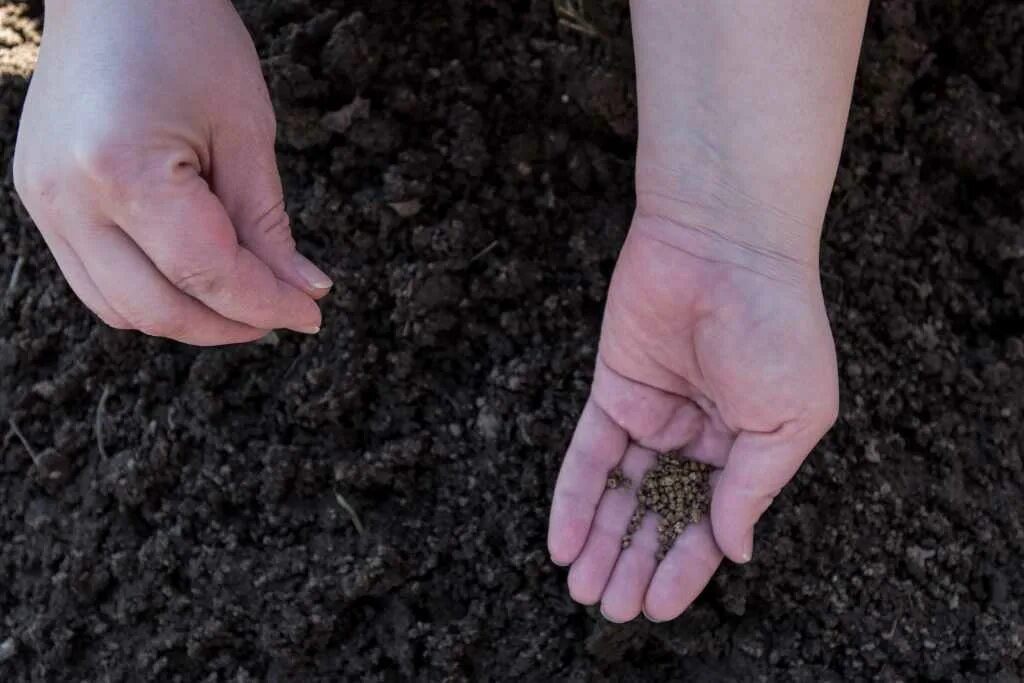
(146, 158)
(711, 346)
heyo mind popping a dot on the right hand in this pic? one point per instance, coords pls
(146, 159)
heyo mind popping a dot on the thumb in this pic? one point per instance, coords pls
(759, 465)
(246, 179)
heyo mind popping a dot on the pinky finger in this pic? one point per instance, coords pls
(81, 283)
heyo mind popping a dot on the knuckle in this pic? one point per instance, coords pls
(274, 227)
(104, 160)
(603, 528)
(120, 167)
(202, 273)
(168, 325)
(32, 182)
(199, 281)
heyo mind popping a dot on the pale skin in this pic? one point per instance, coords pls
(155, 186)
(153, 178)
(715, 338)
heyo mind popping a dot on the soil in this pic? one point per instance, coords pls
(471, 210)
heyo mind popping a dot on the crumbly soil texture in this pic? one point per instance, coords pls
(464, 170)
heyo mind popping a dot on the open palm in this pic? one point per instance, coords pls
(714, 348)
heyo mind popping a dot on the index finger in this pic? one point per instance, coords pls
(189, 237)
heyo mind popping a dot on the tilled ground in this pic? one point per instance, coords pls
(471, 212)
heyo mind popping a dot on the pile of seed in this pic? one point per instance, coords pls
(676, 490)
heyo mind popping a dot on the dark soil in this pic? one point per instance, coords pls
(209, 544)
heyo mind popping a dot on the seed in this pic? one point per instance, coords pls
(676, 490)
(616, 479)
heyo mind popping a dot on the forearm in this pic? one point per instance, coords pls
(742, 108)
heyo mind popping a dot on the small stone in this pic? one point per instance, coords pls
(408, 208)
(8, 649)
(269, 339)
(488, 424)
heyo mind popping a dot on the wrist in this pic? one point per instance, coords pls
(707, 214)
(742, 108)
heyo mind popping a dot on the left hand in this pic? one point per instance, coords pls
(707, 346)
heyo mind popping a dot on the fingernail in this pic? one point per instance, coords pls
(313, 329)
(560, 564)
(314, 277)
(748, 550)
(651, 619)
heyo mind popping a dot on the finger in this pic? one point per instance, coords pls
(137, 291)
(597, 446)
(656, 419)
(682, 575)
(81, 283)
(590, 572)
(246, 180)
(186, 233)
(759, 465)
(624, 595)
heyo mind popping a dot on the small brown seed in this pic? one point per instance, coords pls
(677, 492)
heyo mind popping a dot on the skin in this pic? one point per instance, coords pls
(715, 338)
(154, 180)
(155, 185)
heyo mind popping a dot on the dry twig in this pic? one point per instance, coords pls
(24, 442)
(15, 274)
(485, 251)
(98, 425)
(351, 512)
(572, 15)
